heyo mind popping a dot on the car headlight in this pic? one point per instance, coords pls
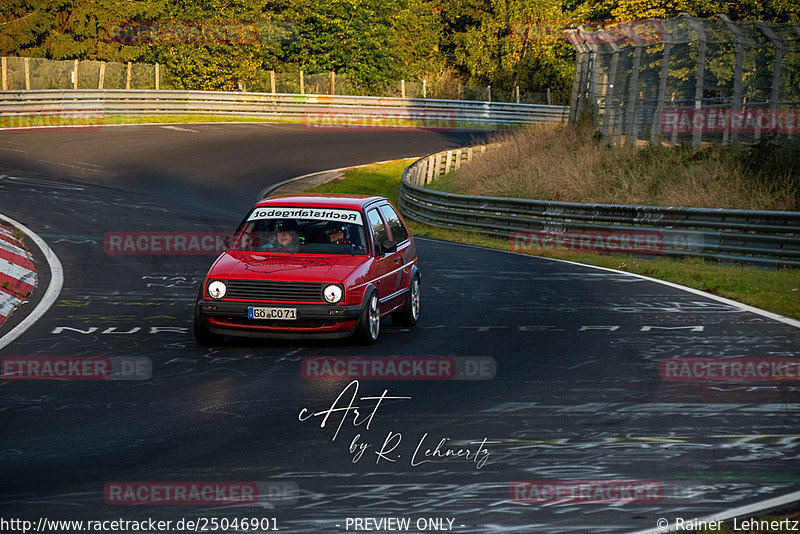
(332, 293)
(217, 289)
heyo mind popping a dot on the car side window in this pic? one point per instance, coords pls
(379, 232)
(399, 232)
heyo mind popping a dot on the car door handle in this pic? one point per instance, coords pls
(398, 260)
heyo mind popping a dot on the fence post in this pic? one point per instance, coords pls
(128, 77)
(272, 81)
(460, 91)
(402, 88)
(4, 68)
(591, 86)
(578, 76)
(102, 75)
(780, 48)
(302, 84)
(488, 93)
(608, 112)
(27, 74)
(158, 77)
(632, 130)
(674, 139)
(655, 129)
(424, 88)
(75, 73)
(697, 133)
(333, 83)
(549, 101)
(516, 90)
(728, 135)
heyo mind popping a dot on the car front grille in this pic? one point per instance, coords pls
(272, 290)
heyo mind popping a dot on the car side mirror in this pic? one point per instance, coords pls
(389, 246)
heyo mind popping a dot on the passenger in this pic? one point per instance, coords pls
(338, 233)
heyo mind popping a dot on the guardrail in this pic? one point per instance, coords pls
(334, 110)
(745, 236)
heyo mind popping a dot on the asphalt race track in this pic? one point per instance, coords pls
(577, 393)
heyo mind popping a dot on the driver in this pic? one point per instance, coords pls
(286, 235)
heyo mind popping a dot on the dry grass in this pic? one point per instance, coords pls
(570, 164)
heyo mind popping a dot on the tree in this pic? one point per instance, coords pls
(355, 37)
(70, 29)
(214, 44)
(509, 42)
(772, 11)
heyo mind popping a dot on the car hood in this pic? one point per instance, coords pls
(294, 267)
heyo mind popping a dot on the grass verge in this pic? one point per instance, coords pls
(88, 119)
(98, 120)
(775, 291)
(557, 162)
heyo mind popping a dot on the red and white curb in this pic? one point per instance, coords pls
(18, 277)
(17, 273)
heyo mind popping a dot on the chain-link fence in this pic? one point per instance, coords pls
(20, 73)
(688, 80)
(328, 83)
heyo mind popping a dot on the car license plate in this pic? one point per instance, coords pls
(284, 314)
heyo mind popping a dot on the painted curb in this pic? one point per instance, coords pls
(53, 289)
(18, 274)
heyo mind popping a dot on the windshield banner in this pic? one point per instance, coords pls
(319, 214)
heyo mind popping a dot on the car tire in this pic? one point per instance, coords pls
(202, 335)
(369, 325)
(408, 315)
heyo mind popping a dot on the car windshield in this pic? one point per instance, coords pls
(314, 231)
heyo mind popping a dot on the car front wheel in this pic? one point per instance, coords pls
(408, 315)
(369, 325)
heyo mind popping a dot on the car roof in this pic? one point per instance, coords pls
(312, 200)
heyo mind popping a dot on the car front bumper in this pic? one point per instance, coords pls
(313, 320)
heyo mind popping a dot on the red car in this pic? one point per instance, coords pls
(312, 266)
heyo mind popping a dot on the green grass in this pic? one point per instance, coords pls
(101, 120)
(381, 179)
(773, 290)
(92, 119)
